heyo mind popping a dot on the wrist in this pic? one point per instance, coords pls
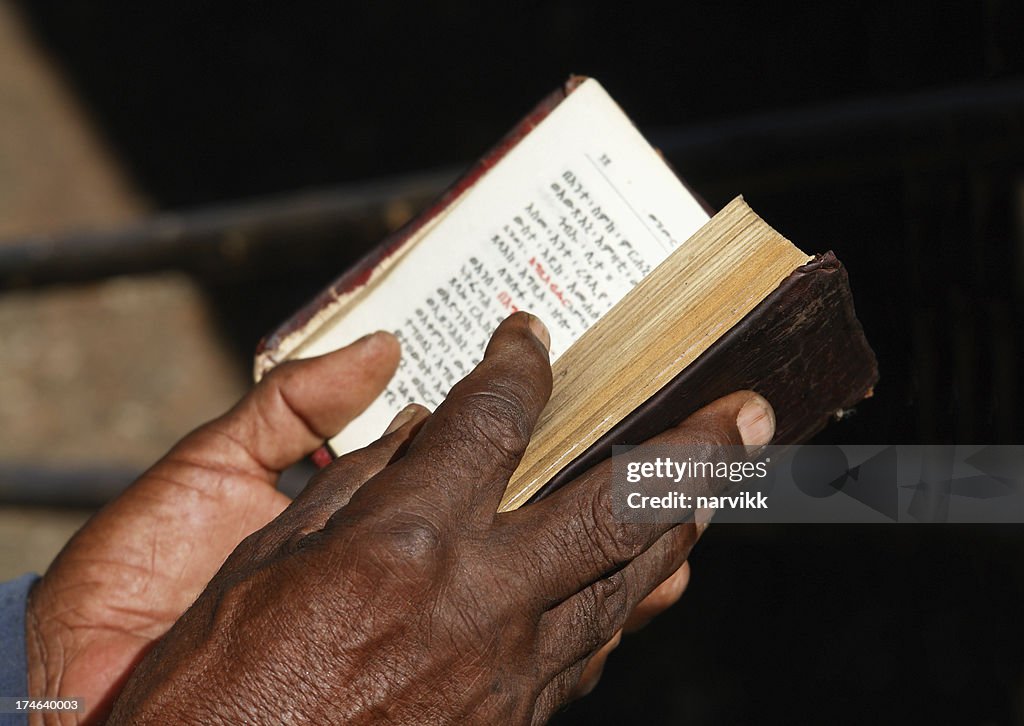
(44, 660)
(36, 651)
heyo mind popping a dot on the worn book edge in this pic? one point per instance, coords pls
(710, 283)
(802, 348)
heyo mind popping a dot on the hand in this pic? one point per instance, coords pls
(124, 579)
(391, 591)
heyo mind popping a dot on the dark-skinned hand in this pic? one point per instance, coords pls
(391, 591)
(135, 567)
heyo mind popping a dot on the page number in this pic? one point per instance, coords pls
(604, 160)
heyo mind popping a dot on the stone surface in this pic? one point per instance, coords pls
(109, 373)
(106, 374)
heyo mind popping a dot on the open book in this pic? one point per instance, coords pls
(654, 309)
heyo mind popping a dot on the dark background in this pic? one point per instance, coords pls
(891, 132)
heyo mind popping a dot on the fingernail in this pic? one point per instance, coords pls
(364, 339)
(367, 338)
(756, 422)
(702, 519)
(540, 331)
(404, 416)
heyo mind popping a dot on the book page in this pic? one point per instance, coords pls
(569, 221)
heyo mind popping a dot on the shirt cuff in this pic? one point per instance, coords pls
(13, 663)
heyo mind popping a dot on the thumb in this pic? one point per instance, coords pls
(293, 409)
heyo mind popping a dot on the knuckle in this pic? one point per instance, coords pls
(610, 596)
(415, 539)
(496, 417)
(717, 435)
(279, 375)
(709, 429)
(613, 541)
(229, 602)
(602, 610)
(615, 590)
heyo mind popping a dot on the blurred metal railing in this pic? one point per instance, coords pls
(926, 143)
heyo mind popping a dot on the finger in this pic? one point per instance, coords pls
(289, 413)
(579, 626)
(477, 436)
(574, 535)
(574, 682)
(664, 595)
(568, 686)
(556, 693)
(661, 599)
(331, 488)
(594, 668)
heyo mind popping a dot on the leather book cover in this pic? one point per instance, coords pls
(802, 348)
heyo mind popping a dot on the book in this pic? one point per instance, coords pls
(655, 307)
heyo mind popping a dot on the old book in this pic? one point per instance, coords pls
(654, 308)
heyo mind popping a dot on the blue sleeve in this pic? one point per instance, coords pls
(13, 666)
